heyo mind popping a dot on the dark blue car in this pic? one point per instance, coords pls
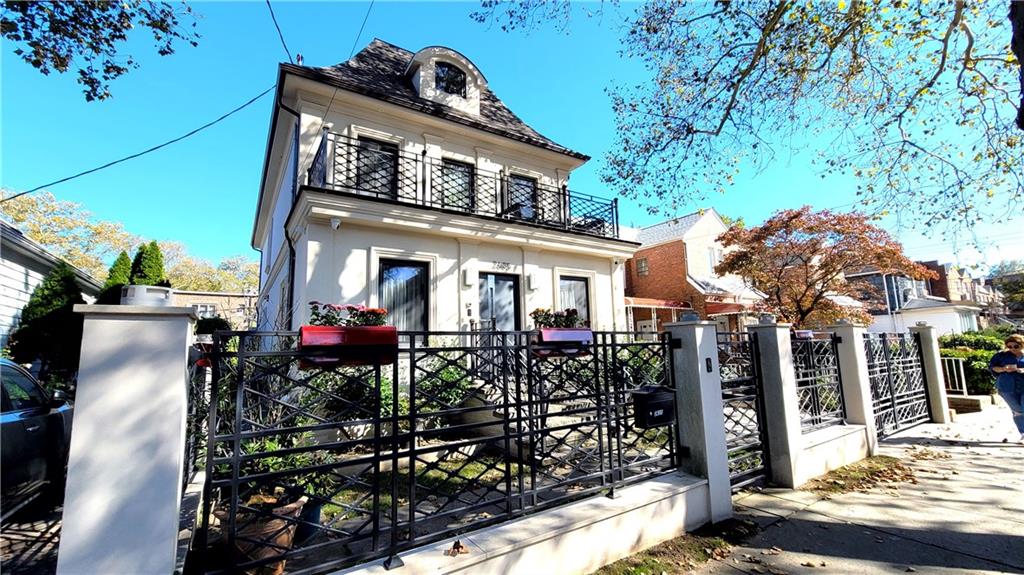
(35, 430)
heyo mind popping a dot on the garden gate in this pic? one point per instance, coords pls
(898, 388)
(743, 402)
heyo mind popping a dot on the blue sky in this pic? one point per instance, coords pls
(202, 191)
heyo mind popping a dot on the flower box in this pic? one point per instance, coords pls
(348, 345)
(564, 342)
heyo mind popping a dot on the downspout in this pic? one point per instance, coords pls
(284, 224)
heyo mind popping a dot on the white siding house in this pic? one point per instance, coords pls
(23, 265)
(399, 180)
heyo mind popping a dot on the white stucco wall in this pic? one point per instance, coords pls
(341, 266)
(944, 320)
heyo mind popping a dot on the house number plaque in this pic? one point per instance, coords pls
(503, 266)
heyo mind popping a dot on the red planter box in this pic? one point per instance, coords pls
(356, 345)
(564, 342)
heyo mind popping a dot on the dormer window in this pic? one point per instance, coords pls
(450, 79)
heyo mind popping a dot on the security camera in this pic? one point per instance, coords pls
(335, 223)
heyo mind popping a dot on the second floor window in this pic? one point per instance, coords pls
(450, 79)
(522, 197)
(377, 168)
(642, 268)
(456, 185)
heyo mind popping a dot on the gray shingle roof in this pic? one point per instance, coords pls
(378, 71)
(673, 229)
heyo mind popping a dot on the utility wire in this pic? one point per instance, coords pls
(355, 43)
(144, 152)
(279, 33)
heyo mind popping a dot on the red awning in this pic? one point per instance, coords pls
(719, 308)
(652, 302)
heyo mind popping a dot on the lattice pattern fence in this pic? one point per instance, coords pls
(325, 467)
(819, 387)
(743, 406)
(898, 389)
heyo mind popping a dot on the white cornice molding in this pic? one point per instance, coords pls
(320, 207)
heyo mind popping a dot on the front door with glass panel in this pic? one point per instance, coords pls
(499, 302)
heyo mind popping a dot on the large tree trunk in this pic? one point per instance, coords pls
(1017, 46)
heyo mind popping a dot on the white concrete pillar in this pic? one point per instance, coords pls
(782, 410)
(853, 371)
(932, 364)
(699, 412)
(127, 455)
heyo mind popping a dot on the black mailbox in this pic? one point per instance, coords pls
(653, 406)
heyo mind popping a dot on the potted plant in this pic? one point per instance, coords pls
(347, 335)
(561, 333)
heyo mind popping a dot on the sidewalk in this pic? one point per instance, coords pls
(965, 514)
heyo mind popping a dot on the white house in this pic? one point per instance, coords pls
(23, 266)
(903, 302)
(400, 180)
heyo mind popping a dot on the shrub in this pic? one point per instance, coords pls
(979, 379)
(148, 266)
(49, 329)
(972, 340)
(118, 276)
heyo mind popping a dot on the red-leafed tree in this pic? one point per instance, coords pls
(799, 260)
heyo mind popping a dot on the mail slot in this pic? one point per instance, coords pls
(653, 406)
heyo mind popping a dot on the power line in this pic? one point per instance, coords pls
(144, 152)
(279, 33)
(355, 43)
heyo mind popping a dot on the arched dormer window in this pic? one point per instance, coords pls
(450, 79)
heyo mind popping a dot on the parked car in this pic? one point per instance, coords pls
(35, 431)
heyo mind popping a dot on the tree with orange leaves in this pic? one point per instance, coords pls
(799, 258)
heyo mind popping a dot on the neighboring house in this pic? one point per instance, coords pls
(675, 265)
(23, 265)
(237, 307)
(956, 285)
(419, 191)
(901, 302)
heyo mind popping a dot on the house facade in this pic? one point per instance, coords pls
(956, 285)
(238, 308)
(673, 272)
(902, 302)
(23, 266)
(399, 180)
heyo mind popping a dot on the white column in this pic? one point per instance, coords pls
(937, 402)
(127, 455)
(853, 371)
(782, 411)
(699, 412)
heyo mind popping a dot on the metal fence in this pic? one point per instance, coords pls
(196, 413)
(384, 171)
(743, 405)
(898, 391)
(315, 467)
(954, 375)
(818, 385)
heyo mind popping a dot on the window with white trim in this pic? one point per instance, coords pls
(205, 309)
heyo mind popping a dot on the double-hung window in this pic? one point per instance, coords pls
(573, 293)
(456, 185)
(405, 292)
(377, 168)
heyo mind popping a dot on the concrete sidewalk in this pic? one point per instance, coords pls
(965, 514)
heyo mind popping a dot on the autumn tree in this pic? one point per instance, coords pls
(921, 101)
(87, 36)
(67, 230)
(799, 258)
(233, 274)
(48, 329)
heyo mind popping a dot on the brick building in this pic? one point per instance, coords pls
(673, 271)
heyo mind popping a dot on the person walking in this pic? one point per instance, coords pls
(1008, 366)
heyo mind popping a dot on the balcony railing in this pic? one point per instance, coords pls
(381, 170)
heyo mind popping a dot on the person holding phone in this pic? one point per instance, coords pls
(1008, 366)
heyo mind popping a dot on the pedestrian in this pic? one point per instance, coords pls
(1008, 365)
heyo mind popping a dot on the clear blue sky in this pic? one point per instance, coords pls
(202, 191)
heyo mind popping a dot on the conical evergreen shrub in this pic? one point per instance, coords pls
(49, 330)
(117, 277)
(148, 265)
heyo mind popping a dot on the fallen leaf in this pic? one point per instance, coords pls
(807, 564)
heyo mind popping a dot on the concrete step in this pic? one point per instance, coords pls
(971, 403)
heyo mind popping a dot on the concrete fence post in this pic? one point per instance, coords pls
(127, 454)
(938, 404)
(699, 412)
(782, 411)
(853, 371)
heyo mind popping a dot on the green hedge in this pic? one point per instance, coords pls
(972, 340)
(979, 379)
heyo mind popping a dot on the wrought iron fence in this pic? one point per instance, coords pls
(315, 466)
(954, 375)
(198, 408)
(898, 390)
(743, 405)
(382, 170)
(818, 385)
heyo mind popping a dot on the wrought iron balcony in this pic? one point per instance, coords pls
(379, 169)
